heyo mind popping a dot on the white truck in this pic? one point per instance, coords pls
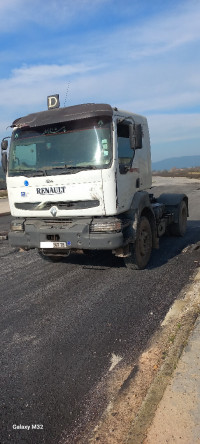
(77, 179)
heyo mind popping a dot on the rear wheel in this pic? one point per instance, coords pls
(141, 249)
(179, 228)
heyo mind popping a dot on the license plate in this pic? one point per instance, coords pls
(53, 245)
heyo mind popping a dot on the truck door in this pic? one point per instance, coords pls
(127, 171)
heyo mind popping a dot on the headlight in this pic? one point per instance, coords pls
(17, 225)
(106, 226)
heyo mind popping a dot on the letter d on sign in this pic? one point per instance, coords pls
(53, 101)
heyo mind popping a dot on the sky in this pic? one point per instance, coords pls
(139, 55)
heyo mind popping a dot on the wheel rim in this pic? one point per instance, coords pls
(144, 243)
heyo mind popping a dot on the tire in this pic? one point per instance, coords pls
(179, 228)
(141, 249)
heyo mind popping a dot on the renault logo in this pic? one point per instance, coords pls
(53, 211)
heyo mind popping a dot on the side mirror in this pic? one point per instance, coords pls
(135, 135)
(4, 145)
(4, 161)
(138, 136)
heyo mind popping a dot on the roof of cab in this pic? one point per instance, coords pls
(59, 115)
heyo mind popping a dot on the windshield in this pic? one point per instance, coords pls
(61, 149)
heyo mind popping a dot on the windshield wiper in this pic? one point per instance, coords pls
(44, 172)
(73, 169)
(29, 173)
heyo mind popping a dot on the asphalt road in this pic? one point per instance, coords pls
(61, 323)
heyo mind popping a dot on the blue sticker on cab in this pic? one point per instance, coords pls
(26, 183)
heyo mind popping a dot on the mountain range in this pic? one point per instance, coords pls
(176, 162)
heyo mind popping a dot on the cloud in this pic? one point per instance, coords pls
(158, 32)
(168, 32)
(29, 83)
(148, 66)
(162, 34)
(143, 89)
(48, 14)
(174, 127)
(40, 73)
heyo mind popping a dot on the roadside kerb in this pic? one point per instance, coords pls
(7, 213)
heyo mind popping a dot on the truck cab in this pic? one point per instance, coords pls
(77, 179)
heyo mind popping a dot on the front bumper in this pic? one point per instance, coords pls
(75, 233)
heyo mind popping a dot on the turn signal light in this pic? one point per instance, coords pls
(110, 226)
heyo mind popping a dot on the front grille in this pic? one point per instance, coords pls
(55, 223)
(41, 224)
(69, 205)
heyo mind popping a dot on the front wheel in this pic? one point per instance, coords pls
(140, 251)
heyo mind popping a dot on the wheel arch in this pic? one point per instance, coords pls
(172, 202)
